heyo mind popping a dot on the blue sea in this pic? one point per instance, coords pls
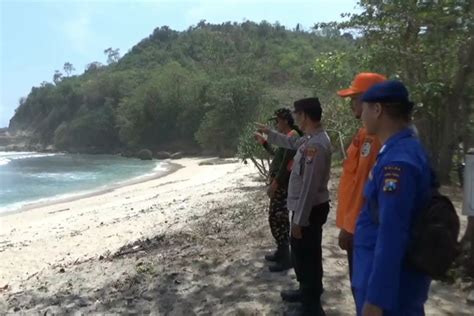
(28, 177)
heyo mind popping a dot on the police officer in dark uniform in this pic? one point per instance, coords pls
(308, 199)
(398, 188)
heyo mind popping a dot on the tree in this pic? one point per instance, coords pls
(93, 66)
(428, 45)
(68, 68)
(113, 55)
(178, 90)
(58, 76)
(250, 149)
(232, 104)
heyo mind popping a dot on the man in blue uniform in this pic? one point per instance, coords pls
(398, 188)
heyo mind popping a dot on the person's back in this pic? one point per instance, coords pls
(402, 162)
(398, 189)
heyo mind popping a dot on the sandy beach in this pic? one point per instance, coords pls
(188, 243)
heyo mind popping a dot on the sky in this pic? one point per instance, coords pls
(38, 36)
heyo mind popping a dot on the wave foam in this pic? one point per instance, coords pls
(7, 157)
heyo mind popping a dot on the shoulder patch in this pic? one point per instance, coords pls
(392, 170)
(310, 153)
(366, 148)
(390, 185)
(391, 176)
(292, 133)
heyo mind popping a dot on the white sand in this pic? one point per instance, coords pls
(83, 228)
(208, 233)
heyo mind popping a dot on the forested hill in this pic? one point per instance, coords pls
(175, 90)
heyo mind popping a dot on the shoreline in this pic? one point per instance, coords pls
(171, 167)
(80, 228)
(190, 243)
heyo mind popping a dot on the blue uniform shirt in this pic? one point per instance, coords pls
(398, 188)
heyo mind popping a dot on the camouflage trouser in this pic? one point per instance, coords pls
(279, 219)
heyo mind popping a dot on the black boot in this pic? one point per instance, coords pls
(284, 260)
(311, 301)
(291, 296)
(273, 257)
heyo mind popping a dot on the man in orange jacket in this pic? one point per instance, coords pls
(361, 156)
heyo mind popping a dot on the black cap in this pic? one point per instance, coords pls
(310, 106)
(283, 113)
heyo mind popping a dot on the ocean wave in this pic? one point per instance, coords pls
(70, 177)
(67, 176)
(160, 167)
(7, 157)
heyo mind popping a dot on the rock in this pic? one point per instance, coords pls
(147, 296)
(162, 155)
(82, 303)
(55, 301)
(177, 155)
(50, 148)
(62, 270)
(470, 298)
(127, 154)
(145, 154)
(70, 306)
(50, 311)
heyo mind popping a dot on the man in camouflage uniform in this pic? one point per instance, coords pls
(280, 169)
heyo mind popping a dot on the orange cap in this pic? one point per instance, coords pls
(361, 83)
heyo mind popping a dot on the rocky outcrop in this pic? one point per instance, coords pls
(145, 154)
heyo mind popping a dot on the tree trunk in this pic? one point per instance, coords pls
(445, 149)
(453, 112)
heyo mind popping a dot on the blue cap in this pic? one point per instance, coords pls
(390, 91)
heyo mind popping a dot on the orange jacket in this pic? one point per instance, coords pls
(361, 156)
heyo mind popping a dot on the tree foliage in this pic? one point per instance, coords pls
(427, 44)
(193, 89)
